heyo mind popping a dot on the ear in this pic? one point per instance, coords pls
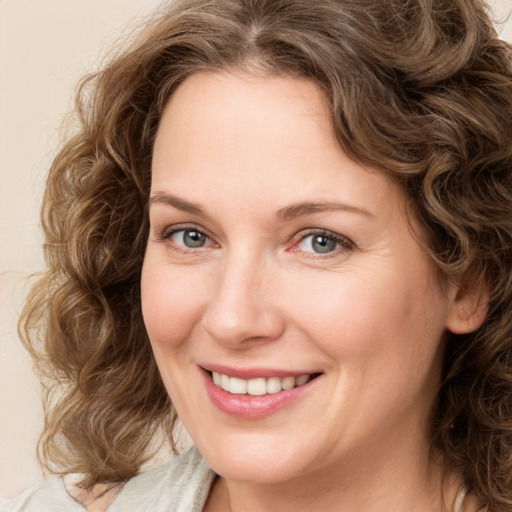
(469, 308)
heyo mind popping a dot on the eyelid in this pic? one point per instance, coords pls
(346, 244)
(166, 233)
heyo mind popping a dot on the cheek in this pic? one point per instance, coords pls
(172, 304)
(366, 316)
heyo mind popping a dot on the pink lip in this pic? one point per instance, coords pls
(253, 407)
(253, 373)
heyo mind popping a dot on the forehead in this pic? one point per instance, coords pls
(257, 137)
(261, 111)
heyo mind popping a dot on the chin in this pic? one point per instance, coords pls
(262, 462)
(255, 471)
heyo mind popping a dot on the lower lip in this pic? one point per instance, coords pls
(253, 407)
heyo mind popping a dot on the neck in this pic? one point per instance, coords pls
(386, 483)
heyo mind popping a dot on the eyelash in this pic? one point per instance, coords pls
(345, 244)
(167, 233)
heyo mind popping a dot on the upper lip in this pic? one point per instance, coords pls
(254, 372)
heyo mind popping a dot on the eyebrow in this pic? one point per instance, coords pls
(176, 202)
(287, 213)
(298, 210)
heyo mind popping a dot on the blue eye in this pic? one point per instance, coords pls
(190, 238)
(323, 243)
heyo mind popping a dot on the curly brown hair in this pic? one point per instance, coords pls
(421, 89)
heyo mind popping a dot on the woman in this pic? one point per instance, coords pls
(287, 223)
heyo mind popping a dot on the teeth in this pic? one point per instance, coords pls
(288, 383)
(259, 386)
(274, 385)
(301, 380)
(237, 386)
(224, 382)
(256, 387)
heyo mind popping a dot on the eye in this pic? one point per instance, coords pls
(323, 243)
(189, 238)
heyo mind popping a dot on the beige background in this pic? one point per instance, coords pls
(45, 47)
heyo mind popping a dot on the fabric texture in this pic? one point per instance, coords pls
(181, 485)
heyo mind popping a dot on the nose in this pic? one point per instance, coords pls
(242, 309)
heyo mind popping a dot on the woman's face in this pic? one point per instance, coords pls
(288, 272)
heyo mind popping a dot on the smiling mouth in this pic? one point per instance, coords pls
(259, 386)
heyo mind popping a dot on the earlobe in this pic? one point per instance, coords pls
(469, 309)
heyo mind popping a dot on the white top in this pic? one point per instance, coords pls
(181, 485)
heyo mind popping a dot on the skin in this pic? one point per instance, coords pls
(369, 315)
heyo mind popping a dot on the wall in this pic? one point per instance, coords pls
(45, 47)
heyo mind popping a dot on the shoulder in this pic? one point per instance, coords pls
(181, 485)
(47, 496)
